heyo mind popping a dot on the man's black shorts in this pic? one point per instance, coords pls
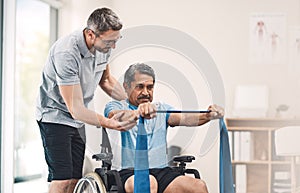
(64, 148)
(164, 176)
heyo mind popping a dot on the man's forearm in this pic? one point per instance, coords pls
(87, 116)
(193, 119)
(113, 88)
(127, 114)
(114, 122)
(187, 119)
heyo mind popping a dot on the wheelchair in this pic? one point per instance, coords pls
(106, 180)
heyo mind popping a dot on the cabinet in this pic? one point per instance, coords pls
(256, 168)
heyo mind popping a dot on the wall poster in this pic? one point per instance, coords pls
(267, 38)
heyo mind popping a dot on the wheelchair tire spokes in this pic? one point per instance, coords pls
(90, 183)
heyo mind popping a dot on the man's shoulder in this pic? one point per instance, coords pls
(67, 44)
(115, 105)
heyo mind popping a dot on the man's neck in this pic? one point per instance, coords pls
(88, 43)
(131, 105)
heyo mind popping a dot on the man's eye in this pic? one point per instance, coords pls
(150, 87)
(140, 86)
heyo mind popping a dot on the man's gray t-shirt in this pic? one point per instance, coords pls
(69, 63)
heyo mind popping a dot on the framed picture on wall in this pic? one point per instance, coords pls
(267, 36)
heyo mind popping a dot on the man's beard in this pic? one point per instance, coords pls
(144, 97)
(103, 50)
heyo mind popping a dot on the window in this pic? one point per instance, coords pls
(34, 23)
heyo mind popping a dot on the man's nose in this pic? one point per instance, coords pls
(145, 90)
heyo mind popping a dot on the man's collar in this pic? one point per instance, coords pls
(131, 106)
(84, 51)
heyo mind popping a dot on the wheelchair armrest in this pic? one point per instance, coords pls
(193, 171)
(103, 156)
(186, 158)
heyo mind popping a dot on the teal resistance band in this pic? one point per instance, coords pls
(225, 178)
(141, 162)
(225, 167)
(141, 170)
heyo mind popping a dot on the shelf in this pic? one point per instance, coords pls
(235, 128)
(250, 162)
(256, 167)
(261, 122)
(262, 162)
(280, 162)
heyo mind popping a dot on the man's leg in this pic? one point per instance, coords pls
(59, 186)
(129, 184)
(64, 153)
(72, 185)
(186, 184)
(78, 152)
(62, 186)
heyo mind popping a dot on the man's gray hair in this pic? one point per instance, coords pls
(141, 68)
(102, 20)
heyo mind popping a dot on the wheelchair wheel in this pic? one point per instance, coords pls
(90, 183)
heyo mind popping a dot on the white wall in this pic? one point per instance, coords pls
(222, 27)
(74, 13)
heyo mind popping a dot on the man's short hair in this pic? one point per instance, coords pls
(141, 68)
(102, 20)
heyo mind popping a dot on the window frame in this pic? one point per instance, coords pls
(1, 48)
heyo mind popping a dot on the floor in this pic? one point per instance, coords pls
(33, 186)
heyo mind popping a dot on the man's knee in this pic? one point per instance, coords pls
(129, 184)
(153, 184)
(197, 186)
(202, 186)
(186, 184)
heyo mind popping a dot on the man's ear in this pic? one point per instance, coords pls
(125, 86)
(89, 35)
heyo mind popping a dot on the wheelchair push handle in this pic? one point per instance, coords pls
(187, 158)
(103, 156)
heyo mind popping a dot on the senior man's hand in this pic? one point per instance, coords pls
(147, 110)
(216, 112)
